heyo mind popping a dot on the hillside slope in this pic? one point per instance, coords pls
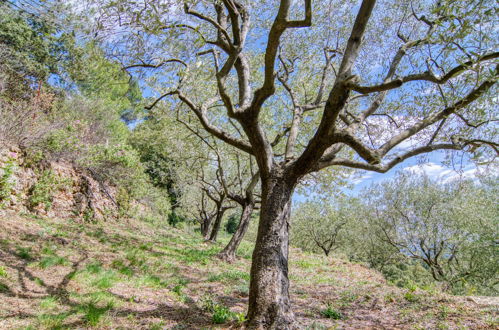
(57, 273)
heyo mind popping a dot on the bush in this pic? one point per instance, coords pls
(174, 219)
(43, 190)
(232, 224)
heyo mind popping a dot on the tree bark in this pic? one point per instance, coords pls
(205, 227)
(229, 252)
(216, 225)
(269, 302)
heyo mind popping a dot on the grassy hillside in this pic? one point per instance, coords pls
(132, 274)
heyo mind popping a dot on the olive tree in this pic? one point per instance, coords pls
(243, 192)
(321, 225)
(341, 83)
(449, 228)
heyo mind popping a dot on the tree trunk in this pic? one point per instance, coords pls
(205, 228)
(269, 302)
(229, 252)
(216, 225)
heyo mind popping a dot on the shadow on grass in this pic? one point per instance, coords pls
(75, 310)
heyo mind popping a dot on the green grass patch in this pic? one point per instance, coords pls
(24, 253)
(106, 280)
(197, 256)
(94, 267)
(39, 281)
(411, 297)
(152, 281)
(331, 313)
(3, 272)
(49, 303)
(229, 276)
(93, 312)
(3, 287)
(52, 321)
(305, 264)
(51, 261)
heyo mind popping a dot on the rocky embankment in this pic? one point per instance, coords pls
(52, 188)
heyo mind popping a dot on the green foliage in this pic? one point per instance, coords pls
(331, 313)
(43, 190)
(6, 181)
(3, 271)
(30, 50)
(232, 223)
(53, 321)
(94, 267)
(320, 227)
(447, 227)
(411, 297)
(407, 272)
(175, 219)
(221, 314)
(49, 303)
(105, 280)
(100, 78)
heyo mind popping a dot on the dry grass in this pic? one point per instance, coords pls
(136, 275)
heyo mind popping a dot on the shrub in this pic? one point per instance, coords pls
(174, 219)
(232, 223)
(42, 191)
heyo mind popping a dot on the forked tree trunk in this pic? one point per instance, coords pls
(216, 225)
(269, 302)
(229, 252)
(205, 227)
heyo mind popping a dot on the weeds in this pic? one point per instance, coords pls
(92, 312)
(411, 297)
(331, 313)
(24, 253)
(221, 314)
(3, 272)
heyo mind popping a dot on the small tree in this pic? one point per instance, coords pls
(329, 222)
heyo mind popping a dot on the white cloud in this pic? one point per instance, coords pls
(442, 173)
(356, 179)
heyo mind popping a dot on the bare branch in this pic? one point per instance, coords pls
(154, 66)
(472, 96)
(200, 112)
(425, 76)
(384, 168)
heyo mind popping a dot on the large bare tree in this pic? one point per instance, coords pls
(339, 84)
